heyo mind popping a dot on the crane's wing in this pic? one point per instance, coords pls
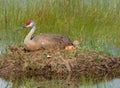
(54, 40)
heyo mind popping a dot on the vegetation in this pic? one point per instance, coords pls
(94, 23)
(36, 83)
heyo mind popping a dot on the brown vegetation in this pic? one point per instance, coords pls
(78, 62)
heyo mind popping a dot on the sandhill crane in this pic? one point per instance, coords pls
(44, 41)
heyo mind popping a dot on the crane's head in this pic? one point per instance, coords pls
(28, 24)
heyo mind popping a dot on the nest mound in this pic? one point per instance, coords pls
(19, 62)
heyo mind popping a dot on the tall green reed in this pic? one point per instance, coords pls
(94, 23)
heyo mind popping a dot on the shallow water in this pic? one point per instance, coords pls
(5, 84)
(114, 83)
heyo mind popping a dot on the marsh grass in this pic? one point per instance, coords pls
(94, 23)
(37, 83)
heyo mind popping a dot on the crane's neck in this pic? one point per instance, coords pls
(28, 37)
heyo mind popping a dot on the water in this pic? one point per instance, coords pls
(5, 84)
(0, 52)
(114, 83)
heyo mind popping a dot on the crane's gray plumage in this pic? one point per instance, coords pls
(44, 41)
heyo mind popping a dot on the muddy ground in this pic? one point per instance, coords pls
(19, 63)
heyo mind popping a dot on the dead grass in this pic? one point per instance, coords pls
(43, 62)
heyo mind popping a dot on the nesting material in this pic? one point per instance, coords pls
(41, 62)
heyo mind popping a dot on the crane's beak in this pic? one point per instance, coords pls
(22, 27)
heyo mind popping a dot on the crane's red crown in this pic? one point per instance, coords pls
(28, 22)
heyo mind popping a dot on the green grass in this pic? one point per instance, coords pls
(94, 24)
(38, 83)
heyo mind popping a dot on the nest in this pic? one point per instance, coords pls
(79, 62)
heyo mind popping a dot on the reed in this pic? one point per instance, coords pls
(94, 23)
